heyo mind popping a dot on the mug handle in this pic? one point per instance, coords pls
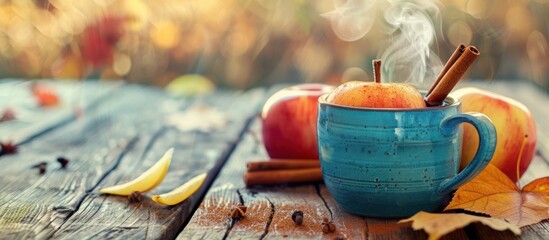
(487, 145)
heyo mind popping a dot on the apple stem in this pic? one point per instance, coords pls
(377, 70)
(520, 157)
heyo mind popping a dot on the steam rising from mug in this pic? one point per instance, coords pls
(408, 58)
(410, 32)
(352, 20)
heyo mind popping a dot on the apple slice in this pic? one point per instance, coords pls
(146, 181)
(181, 193)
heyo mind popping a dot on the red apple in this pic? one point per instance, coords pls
(377, 95)
(512, 121)
(289, 121)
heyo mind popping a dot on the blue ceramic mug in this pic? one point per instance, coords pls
(396, 162)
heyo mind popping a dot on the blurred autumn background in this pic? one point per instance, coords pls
(247, 43)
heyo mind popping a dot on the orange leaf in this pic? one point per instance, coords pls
(45, 95)
(47, 99)
(493, 193)
(540, 185)
(440, 224)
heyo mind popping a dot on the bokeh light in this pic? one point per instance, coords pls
(460, 33)
(122, 64)
(165, 35)
(247, 43)
(355, 74)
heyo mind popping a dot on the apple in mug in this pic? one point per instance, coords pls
(377, 95)
(289, 121)
(512, 121)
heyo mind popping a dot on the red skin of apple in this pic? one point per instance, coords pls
(289, 122)
(512, 121)
(377, 95)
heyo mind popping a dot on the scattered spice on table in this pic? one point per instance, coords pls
(63, 161)
(7, 148)
(328, 226)
(41, 167)
(238, 212)
(135, 197)
(38, 164)
(297, 217)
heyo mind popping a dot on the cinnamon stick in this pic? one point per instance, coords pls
(285, 176)
(454, 74)
(377, 70)
(459, 50)
(277, 164)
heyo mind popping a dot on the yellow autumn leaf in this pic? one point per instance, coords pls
(494, 194)
(440, 224)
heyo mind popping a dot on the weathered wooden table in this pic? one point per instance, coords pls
(113, 131)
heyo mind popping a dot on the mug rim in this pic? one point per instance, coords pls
(452, 102)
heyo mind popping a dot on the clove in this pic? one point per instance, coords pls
(63, 161)
(238, 212)
(135, 197)
(328, 226)
(297, 217)
(41, 167)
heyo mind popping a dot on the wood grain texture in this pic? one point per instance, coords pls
(211, 219)
(76, 97)
(39, 204)
(535, 232)
(269, 209)
(114, 142)
(194, 153)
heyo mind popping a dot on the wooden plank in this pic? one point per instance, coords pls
(113, 142)
(270, 208)
(538, 231)
(378, 228)
(33, 205)
(194, 153)
(33, 120)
